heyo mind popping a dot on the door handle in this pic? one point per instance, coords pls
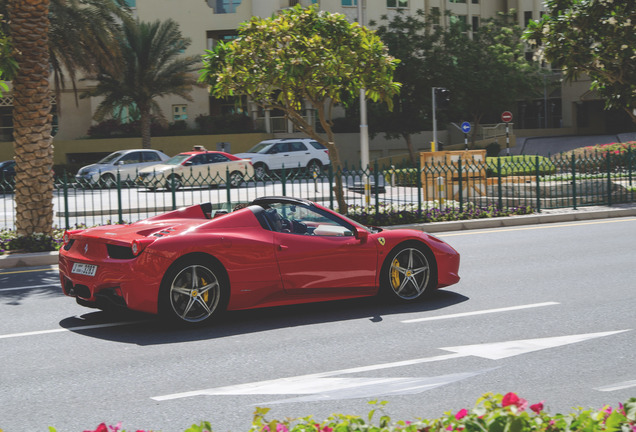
(282, 247)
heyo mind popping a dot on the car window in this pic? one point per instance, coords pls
(304, 220)
(217, 157)
(198, 160)
(317, 145)
(297, 146)
(151, 157)
(278, 148)
(110, 158)
(131, 158)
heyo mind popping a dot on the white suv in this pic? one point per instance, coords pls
(290, 153)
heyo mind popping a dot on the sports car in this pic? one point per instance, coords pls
(191, 264)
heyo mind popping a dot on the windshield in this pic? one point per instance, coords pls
(259, 148)
(177, 160)
(110, 158)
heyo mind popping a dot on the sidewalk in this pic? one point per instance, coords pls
(546, 216)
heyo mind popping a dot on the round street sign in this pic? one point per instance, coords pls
(466, 127)
(506, 116)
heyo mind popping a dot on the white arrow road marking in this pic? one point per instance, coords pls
(618, 386)
(496, 351)
(317, 384)
(355, 388)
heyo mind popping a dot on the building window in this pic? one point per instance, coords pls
(349, 2)
(459, 20)
(131, 3)
(179, 112)
(397, 3)
(475, 23)
(457, 1)
(527, 17)
(226, 6)
(475, 2)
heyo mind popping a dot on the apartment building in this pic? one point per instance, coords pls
(564, 108)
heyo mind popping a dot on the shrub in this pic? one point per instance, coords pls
(225, 124)
(491, 413)
(520, 165)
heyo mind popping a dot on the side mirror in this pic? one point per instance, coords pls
(361, 235)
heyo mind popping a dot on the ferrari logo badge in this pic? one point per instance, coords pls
(85, 249)
(381, 241)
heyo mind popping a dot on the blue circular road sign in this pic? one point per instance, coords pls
(466, 127)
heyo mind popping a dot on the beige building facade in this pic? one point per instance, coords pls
(564, 109)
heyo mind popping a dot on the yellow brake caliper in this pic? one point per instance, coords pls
(205, 294)
(395, 274)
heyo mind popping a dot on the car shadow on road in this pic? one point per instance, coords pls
(139, 329)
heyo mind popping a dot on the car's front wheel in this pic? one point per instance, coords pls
(173, 182)
(236, 178)
(409, 272)
(108, 181)
(193, 291)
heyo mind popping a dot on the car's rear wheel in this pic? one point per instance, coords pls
(236, 178)
(193, 291)
(409, 272)
(173, 182)
(260, 171)
(314, 167)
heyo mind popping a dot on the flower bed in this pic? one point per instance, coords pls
(491, 413)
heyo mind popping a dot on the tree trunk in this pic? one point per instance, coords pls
(145, 127)
(409, 146)
(32, 119)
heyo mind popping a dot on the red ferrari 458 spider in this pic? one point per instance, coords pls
(190, 264)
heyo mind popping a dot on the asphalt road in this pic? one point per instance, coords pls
(546, 311)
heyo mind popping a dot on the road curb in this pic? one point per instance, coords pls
(50, 258)
(533, 219)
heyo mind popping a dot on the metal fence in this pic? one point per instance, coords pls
(534, 182)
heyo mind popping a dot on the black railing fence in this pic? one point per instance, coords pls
(459, 183)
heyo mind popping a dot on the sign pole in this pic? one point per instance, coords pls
(506, 117)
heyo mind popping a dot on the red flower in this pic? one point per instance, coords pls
(513, 399)
(461, 414)
(538, 407)
(101, 428)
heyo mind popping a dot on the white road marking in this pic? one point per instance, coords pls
(59, 330)
(618, 386)
(315, 383)
(481, 312)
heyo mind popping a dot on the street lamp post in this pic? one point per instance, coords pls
(364, 128)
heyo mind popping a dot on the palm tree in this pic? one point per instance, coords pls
(62, 35)
(151, 65)
(29, 26)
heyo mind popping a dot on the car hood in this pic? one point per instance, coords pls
(94, 168)
(247, 155)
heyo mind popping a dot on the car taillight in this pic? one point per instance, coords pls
(138, 245)
(67, 235)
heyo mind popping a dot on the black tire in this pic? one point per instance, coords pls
(108, 181)
(260, 171)
(313, 167)
(173, 184)
(194, 290)
(409, 272)
(236, 178)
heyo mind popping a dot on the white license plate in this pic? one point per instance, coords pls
(84, 269)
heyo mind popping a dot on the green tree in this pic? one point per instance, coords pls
(596, 38)
(150, 64)
(46, 35)
(415, 40)
(29, 25)
(488, 73)
(303, 56)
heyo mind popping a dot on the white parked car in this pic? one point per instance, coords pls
(290, 153)
(126, 162)
(196, 168)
